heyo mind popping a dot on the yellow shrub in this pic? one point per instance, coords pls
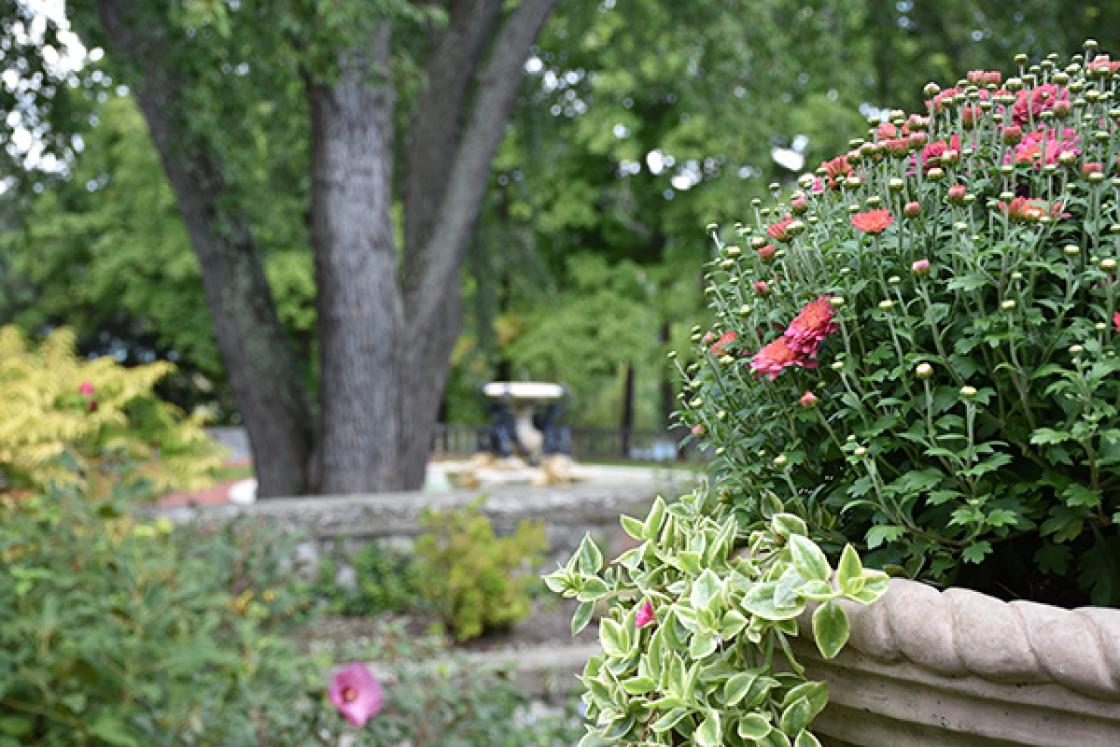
(70, 420)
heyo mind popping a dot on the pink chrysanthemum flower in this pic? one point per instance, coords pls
(85, 388)
(777, 356)
(780, 231)
(809, 328)
(1046, 146)
(356, 693)
(1116, 320)
(1030, 103)
(719, 347)
(873, 221)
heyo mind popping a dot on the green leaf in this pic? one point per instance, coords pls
(689, 561)
(669, 720)
(114, 731)
(638, 685)
(612, 638)
(849, 570)
(753, 726)
(808, 558)
(814, 692)
(706, 587)
(701, 646)
(830, 629)
(1079, 496)
(796, 716)
(581, 617)
(881, 533)
(787, 525)
(736, 688)
(976, 552)
(633, 527)
(759, 601)
(709, 733)
(590, 558)
(806, 739)
(654, 519)
(593, 588)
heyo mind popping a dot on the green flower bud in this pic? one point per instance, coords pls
(968, 392)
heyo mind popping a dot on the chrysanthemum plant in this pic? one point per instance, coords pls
(915, 354)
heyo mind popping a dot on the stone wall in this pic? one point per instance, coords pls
(339, 525)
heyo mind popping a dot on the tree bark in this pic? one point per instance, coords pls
(359, 302)
(433, 305)
(264, 377)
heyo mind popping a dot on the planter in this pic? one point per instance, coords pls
(959, 668)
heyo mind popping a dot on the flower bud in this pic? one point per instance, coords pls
(836, 301)
(780, 461)
(1008, 305)
(886, 305)
(956, 194)
(698, 429)
(894, 280)
(860, 451)
(896, 184)
(760, 287)
(1076, 350)
(968, 392)
(1012, 134)
(808, 399)
(1071, 250)
(923, 370)
(1108, 264)
(744, 310)
(920, 267)
(766, 253)
(931, 89)
(935, 174)
(912, 209)
(712, 227)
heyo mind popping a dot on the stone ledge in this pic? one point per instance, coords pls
(961, 633)
(397, 514)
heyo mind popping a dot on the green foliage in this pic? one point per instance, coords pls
(696, 640)
(384, 581)
(475, 580)
(963, 422)
(70, 420)
(449, 704)
(121, 632)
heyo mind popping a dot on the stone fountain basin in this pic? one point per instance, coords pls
(958, 668)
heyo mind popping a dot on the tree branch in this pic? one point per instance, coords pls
(455, 56)
(498, 82)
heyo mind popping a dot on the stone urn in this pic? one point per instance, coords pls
(958, 668)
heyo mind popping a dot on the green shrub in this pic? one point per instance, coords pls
(436, 699)
(473, 579)
(696, 641)
(384, 581)
(91, 423)
(954, 278)
(115, 631)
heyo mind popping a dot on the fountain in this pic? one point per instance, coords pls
(527, 442)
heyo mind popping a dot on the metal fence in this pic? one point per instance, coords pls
(588, 444)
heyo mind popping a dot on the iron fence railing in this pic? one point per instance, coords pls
(462, 440)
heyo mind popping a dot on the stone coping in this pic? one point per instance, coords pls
(963, 633)
(397, 514)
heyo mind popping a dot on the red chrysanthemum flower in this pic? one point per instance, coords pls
(932, 152)
(777, 356)
(780, 231)
(837, 169)
(719, 347)
(873, 221)
(1029, 210)
(1030, 103)
(809, 328)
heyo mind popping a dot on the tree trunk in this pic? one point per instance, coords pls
(263, 374)
(359, 301)
(627, 412)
